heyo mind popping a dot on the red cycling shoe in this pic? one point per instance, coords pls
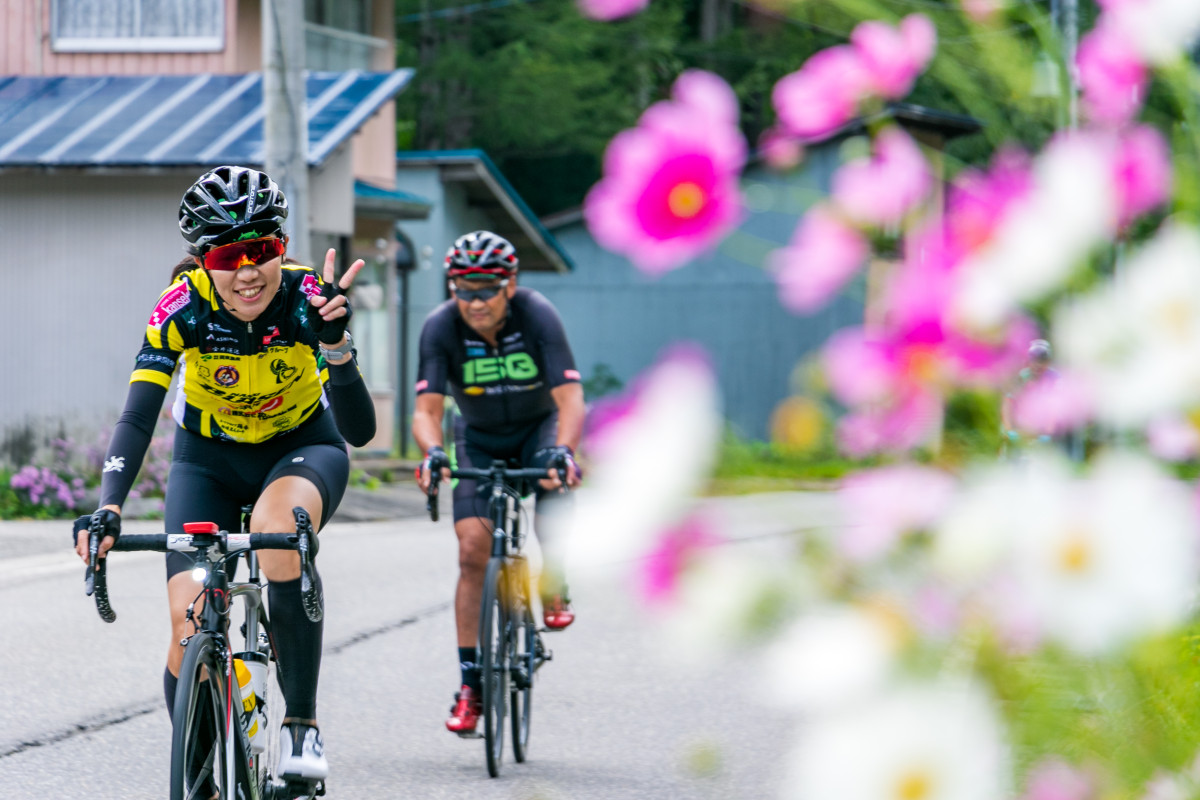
(464, 714)
(557, 613)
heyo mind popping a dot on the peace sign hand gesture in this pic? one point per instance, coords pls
(329, 311)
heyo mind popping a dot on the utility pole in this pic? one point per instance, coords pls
(285, 141)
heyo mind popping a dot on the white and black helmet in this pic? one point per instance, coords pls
(481, 254)
(227, 203)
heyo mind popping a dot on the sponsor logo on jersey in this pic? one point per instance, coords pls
(476, 351)
(474, 390)
(422, 385)
(282, 370)
(272, 334)
(168, 304)
(226, 375)
(310, 285)
(571, 374)
(517, 366)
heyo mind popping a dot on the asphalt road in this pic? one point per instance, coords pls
(615, 715)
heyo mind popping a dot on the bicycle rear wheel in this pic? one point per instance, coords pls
(198, 761)
(494, 654)
(523, 643)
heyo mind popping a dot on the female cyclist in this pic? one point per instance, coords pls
(268, 395)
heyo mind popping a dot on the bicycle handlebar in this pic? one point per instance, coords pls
(498, 471)
(303, 540)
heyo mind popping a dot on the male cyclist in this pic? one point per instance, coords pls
(504, 355)
(1037, 368)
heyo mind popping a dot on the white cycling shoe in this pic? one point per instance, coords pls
(301, 753)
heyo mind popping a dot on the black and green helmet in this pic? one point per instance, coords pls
(228, 204)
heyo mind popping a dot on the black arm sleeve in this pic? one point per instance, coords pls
(130, 439)
(353, 408)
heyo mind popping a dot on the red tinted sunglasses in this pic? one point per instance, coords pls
(230, 257)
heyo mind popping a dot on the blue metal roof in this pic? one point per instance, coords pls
(173, 120)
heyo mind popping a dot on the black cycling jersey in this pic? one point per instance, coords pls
(501, 389)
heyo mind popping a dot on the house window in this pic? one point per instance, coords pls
(127, 26)
(337, 35)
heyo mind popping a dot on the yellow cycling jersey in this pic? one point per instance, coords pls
(238, 381)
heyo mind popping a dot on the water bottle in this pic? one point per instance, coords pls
(251, 670)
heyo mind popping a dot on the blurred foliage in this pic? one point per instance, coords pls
(745, 466)
(601, 382)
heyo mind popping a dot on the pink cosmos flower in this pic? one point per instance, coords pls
(1111, 74)
(1173, 439)
(894, 57)
(1054, 779)
(983, 11)
(823, 95)
(882, 190)
(607, 10)
(779, 150)
(676, 546)
(909, 421)
(669, 190)
(1143, 172)
(823, 254)
(979, 200)
(1053, 404)
(881, 505)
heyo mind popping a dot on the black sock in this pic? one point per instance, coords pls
(467, 658)
(169, 684)
(297, 647)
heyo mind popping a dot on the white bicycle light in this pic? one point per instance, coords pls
(199, 574)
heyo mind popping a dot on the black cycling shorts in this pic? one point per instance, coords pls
(211, 480)
(476, 448)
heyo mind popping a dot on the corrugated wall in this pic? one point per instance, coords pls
(78, 294)
(619, 317)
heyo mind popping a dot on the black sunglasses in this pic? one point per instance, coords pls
(486, 293)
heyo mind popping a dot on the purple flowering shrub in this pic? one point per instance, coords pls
(61, 486)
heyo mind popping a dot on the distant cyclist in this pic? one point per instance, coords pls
(268, 395)
(1037, 369)
(503, 354)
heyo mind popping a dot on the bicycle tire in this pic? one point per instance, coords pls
(524, 654)
(198, 766)
(493, 663)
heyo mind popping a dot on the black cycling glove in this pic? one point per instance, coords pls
(558, 456)
(435, 460)
(109, 520)
(329, 331)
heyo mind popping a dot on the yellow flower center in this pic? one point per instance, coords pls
(686, 200)
(1075, 554)
(916, 785)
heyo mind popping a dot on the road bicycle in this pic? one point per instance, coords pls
(212, 755)
(510, 648)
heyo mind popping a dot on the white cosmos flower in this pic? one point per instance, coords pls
(933, 742)
(1119, 560)
(1136, 341)
(828, 658)
(1158, 29)
(647, 464)
(1040, 241)
(1092, 561)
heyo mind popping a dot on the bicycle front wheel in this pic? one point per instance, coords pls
(523, 643)
(198, 762)
(494, 663)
